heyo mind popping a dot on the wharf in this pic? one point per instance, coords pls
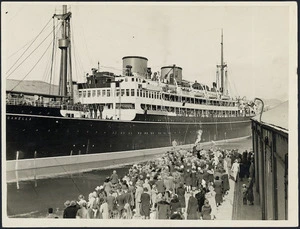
(245, 212)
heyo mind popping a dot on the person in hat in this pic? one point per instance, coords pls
(114, 177)
(250, 196)
(225, 179)
(127, 213)
(211, 197)
(80, 199)
(188, 180)
(244, 193)
(200, 196)
(104, 212)
(163, 209)
(138, 194)
(175, 204)
(192, 207)
(151, 181)
(218, 185)
(181, 196)
(107, 185)
(120, 200)
(199, 177)
(210, 176)
(235, 169)
(111, 203)
(206, 211)
(160, 185)
(70, 210)
(251, 169)
(145, 204)
(147, 185)
(82, 212)
(153, 195)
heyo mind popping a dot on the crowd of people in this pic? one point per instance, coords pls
(181, 184)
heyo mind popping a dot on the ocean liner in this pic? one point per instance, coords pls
(132, 112)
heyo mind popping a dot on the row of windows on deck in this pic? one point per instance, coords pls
(153, 95)
(189, 112)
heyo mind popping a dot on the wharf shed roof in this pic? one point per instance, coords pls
(277, 118)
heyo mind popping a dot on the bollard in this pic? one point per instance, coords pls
(71, 153)
(16, 169)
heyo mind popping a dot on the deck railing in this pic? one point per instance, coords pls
(52, 104)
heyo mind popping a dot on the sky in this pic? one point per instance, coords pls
(256, 41)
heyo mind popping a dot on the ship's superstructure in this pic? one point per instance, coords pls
(123, 97)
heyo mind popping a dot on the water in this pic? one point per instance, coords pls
(33, 198)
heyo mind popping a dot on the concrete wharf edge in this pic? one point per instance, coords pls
(30, 169)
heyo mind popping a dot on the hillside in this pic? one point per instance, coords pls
(31, 86)
(271, 103)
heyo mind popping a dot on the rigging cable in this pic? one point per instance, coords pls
(46, 70)
(29, 54)
(77, 61)
(237, 93)
(32, 67)
(11, 55)
(29, 46)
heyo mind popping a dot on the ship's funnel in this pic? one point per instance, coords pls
(138, 65)
(171, 74)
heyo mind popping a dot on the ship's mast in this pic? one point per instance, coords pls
(64, 45)
(222, 66)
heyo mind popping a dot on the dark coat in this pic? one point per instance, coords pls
(181, 198)
(120, 201)
(145, 204)
(251, 171)
(219, 191)
(200, 196)
(205, 212)
(70, 212)
(192, 208)
(164, 210)
(160, 186)
(210, 177)
(225, 180)
(199, 178)
(188, 178)
(128, 198)
(250, 196)
(174, 204)
(194, 179)
(205, 176)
